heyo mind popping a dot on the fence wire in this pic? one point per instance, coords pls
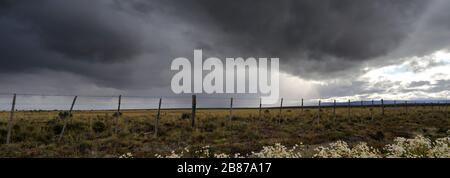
(35, 101)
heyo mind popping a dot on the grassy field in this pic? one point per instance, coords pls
(91, 133)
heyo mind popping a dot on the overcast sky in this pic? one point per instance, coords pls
(358, 49)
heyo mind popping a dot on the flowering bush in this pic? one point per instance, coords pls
(441, 148)
(126, 155)
(340, 149)
(173, 154)
(203, 152)
(334, 150)
(362, 150)
(223, 155)
(277, 151)
(417, 147)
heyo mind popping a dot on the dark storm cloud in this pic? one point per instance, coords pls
(90, 39)
(84, 30)
(354, 30)
(430, 33)
(129, 44)
(321, 31)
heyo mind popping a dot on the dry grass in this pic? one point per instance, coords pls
(91, 133)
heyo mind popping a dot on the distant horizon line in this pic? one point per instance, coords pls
(326, 105)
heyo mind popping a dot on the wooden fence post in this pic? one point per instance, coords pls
(334, 109)
(66, 119)
(118, 114)
(371, 111)
(281, 107)
(348, 109)
(120, 102)
(302, 105)
(10, 121)
(158, 114)
(318, 115)
(231, 108)
(260, 107)
(194, 107)
(382, 107)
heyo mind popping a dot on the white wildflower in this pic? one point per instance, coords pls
(410, 148)
(221, 155)
(441, 148)
(340, 149)
(126, 155)
(203, 152)
(362, 150)
(277, 151)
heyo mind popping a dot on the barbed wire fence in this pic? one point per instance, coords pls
(118, 103)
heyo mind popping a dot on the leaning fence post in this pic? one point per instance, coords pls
(10, 121)
(118, 114)
(382, 107)
(260, 106)
(281, 107)
(231, 108)
(194, 107)
(65, 119)
(157, 117)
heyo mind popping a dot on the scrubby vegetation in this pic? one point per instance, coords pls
(418, 147)
(297, 133)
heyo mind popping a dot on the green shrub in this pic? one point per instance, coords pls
(76, 126)
(57, 128)
(117, 114)
(84, 147)
(185, 116)
(64, 114)
(98, 127)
